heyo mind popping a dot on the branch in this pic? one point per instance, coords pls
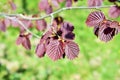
(57, 11)
(15, 19)
(14, 16)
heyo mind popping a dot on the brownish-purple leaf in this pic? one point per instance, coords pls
(40, 50)
(68, 3)
(114, 12)
(19, 40)
(43, 4)
(92, 3)
(41, 25)
(49, 9)
(106, 33)
(71, 50)
(26, 43)
(13, 6)
(7, 22)
(2, 26)
(96, 30)
(55, 50)
(95, 18)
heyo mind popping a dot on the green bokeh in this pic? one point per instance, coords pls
(97, 60)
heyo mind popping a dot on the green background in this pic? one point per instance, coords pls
(96, 61)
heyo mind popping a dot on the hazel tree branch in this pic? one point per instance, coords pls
(14, 16)
(55, 12)
(15, 19)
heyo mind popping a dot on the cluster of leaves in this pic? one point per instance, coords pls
(104, 29)
(57, 42)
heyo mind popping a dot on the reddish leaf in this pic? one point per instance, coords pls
(43, 4)
(71, 50)
(7, 22)
(55, 50)
(19, 40)
(96, 30)
(26, 43)
(95, 18)
(41, 25)
(49, 9)
(2, 26)
(114, 12)
(27, 24)
(45, 36)
(114, 24)
(68, 3)
(13, 6)
(106, 33)
(14, 23)
(94, 3)
(24, 40)
(55, 3)
(40, 50)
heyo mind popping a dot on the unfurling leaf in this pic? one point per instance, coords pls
(24, 40)
(95, 18)
(26, 43)
(55, 49)
(71, 50)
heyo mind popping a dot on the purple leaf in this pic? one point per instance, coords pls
(68, 3)
(41, 25)
(95, 18)
(114, 12)
(49, 9)
(26, 43)
(40, 50)
(13, 6)
(71, 50)
(92, 3)
(24, 40)
(2, 26)
(55, 50)
(43, 4)
(106, 33)
(7, 22)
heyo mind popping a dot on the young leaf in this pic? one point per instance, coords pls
(92, 3)
(114, 12)
(41, 25)
(71, 50)
(106, 33)
(95, 18)
(2, 26)
(26, 43)
(55, 50)
(40, 50)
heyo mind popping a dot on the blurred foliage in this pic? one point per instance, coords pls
(97, 60)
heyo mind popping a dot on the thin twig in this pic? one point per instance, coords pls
(57, 11)
(13, 16)
(15, 19)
